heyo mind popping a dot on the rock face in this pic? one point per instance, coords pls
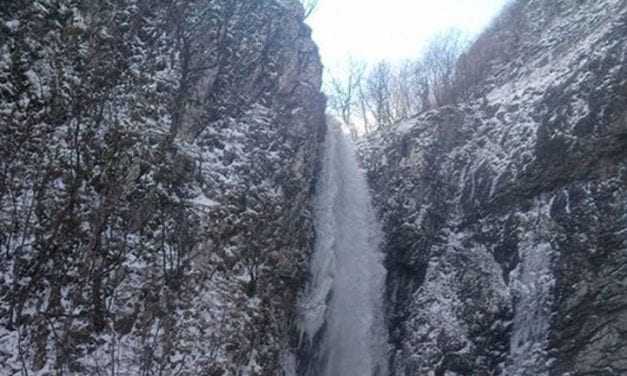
(157, 161)
(506, 217)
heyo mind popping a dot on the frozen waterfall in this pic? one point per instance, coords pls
(342, 305)
(532, 285)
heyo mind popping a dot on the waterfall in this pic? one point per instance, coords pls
(342, 312)
(532, 284)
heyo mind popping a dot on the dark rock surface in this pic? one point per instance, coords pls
(157, 161)
(506, 216)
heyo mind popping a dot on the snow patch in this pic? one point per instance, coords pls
(12, 25)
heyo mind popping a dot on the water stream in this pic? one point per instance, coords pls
(342, 305)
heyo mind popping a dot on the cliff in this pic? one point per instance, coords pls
(156, 168)
(506, 216)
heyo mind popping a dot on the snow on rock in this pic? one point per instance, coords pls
(12, 25)
(155, 193)
(504, 214)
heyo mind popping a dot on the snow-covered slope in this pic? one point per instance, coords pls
(156, 176)
(506, 216)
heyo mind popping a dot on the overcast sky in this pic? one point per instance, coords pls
(391, 29)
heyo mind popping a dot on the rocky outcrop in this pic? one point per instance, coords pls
(156, 170)
(506, 216)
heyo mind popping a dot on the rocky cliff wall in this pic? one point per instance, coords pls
(506, 216)
(156, 168)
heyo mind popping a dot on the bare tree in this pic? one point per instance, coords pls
(405, 91)
(343, 92)
(495, 44)
(385, 93)
(422, 86)
(439, 62)
(469, 70)
(364, 107)
(379, 93)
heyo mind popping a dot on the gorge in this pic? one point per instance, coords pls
(174, 200)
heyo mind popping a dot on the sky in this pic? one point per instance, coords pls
(391, 30)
